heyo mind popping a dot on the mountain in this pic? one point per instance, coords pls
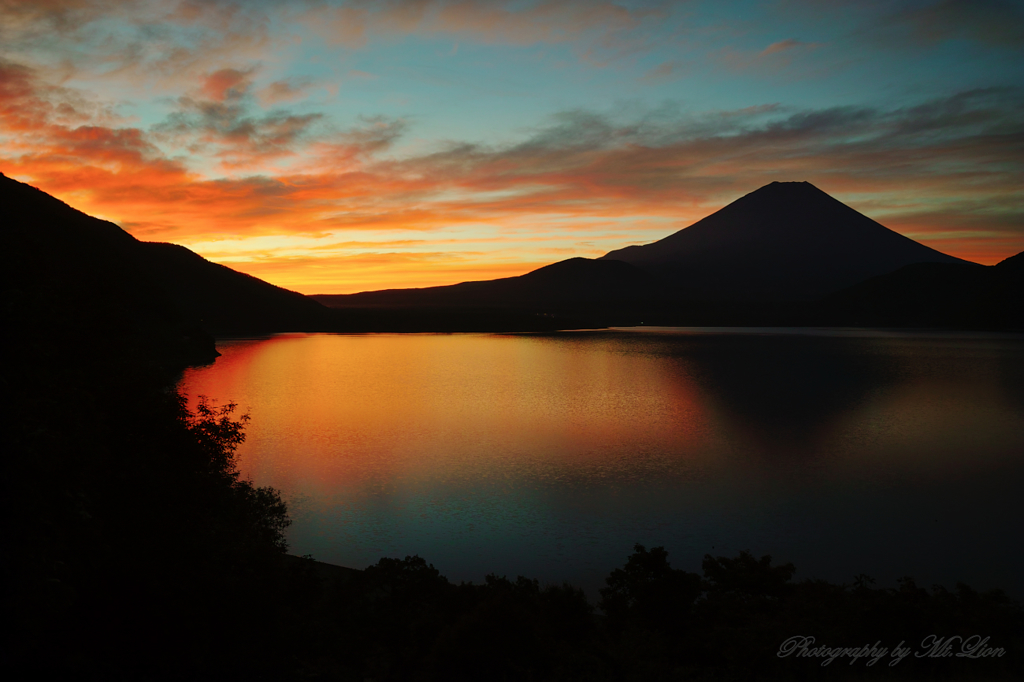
(58, 258)
(226, 301)
(787, 241)
(787, 254)
(572, 282)
(768, 258)
(934, 295)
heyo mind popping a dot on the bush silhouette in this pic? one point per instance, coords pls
(648, 593)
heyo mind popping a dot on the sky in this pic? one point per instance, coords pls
(334, 147)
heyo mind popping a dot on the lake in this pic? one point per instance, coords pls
(842, 451)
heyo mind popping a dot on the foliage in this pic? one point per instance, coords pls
(261, 514)
(402, 620)
(648, 592)
(126, 508)
(215, 433)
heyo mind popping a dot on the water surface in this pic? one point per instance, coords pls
(844, 452)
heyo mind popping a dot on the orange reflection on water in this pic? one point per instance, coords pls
(552, 455)
(333, 412)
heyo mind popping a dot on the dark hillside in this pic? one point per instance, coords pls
(131, 549)
(81, 261)
(65, 273)
(935, 295)
(225, 301)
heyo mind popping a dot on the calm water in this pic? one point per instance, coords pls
(550, 456)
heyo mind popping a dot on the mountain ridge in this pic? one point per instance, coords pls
(935, 295)
(66, 270)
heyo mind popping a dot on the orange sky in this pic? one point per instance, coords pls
(344, 147)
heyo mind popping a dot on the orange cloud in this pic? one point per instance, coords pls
(227, 84)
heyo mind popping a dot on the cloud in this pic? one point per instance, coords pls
(773, 58)
(284, 90)
(62, 16)
(161, 44)
(227, 84)
(782, 46)
(351, 22)
(642, 173)
(585, 164)
(993, 22)
(218, 121)
(664, 71)
(27, 101)
(581, 163)
(60, 125)
(515, 23)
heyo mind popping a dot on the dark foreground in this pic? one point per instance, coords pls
(133, 551)
(742, 619)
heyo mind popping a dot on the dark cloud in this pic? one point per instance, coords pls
(665, 71)
(823, 122)
(585, 162)
(220, 120)
(985, 109)
(61, 16)
(27, 101)
(911, 24)
(284, 90)
(994, 22)
(169, 38)
(373, 134)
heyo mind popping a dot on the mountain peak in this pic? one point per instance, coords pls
(790, 188)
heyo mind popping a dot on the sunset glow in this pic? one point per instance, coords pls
(335, 147)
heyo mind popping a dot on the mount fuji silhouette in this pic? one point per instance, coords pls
(787, 241)
(785, 254)
(783, 243)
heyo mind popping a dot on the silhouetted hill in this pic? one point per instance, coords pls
(58, 256)
(65, 275)
(227, 301)
(132, 548)
(570, 282)
(935, 295)
(787, 241)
